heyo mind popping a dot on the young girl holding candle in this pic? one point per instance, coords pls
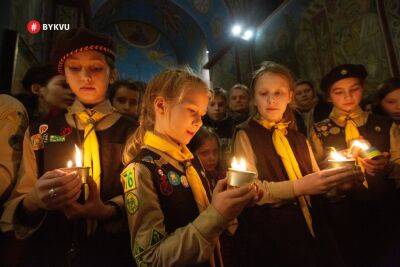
(170, 218)
(43, 207)
(286, 228)
(361, 216)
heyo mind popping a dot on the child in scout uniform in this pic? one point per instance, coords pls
(43, 207)
(171, 220)
(361, 213)
(286, 227)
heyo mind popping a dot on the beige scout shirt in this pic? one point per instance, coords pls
(28, 172)
(150, 243)
(274, 192)
(13, 122)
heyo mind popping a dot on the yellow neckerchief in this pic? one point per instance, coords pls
(351, 121)
(183, 155)
(290, 163)
(88, 118)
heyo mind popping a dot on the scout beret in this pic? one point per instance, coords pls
(342, 72)
(78, 40)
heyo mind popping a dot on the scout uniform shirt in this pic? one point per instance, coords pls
(13, 123)
(164, 222)
(49, 145)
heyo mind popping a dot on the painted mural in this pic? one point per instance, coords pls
(161, 35)
(141, 57)
(311, 37)
(392, 10)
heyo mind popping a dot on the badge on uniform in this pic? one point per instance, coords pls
(66, 131)
(334, 130)
(57, 139)
(131, 203)
(43, 128)
(165, 187)
(128, 176)
(139, 258)
(37, 142)
(184, 181)
(174, 178)
(156, 237)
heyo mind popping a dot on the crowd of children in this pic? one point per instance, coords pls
(158, 155)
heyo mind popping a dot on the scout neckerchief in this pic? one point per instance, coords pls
(284, 150)
(350, 121)
(88, 118)
(183, 155)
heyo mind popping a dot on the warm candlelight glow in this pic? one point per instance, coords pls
(336, 156)
(239, 165)
(69, 163)
(359, 144)
(78, 157)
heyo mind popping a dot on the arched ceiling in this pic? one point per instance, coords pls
(210, 16)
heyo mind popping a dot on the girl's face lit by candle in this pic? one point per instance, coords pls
(272, 94)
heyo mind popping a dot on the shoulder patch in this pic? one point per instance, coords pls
(131, 203)
(128, 178)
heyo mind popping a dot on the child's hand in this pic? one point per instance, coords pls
(323, 181)
(376, 165)
(53, 190)
(94, 208)
(231, 202)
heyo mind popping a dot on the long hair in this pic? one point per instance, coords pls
(275, 68)
(170, 84)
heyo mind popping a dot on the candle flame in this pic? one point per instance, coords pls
(358, 144)
(78, 157)
(69, 163)
(239, 165)
(336, 156)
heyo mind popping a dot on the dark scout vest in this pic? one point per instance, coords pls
(55, 236)
(260, 227)
(174, 194)
(268, 162)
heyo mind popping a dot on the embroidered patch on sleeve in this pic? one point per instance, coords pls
(156, 237)
(128, 177)
(131, 203)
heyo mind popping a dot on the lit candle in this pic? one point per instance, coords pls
(238, 174)
(83, 172)
(337, 159)
(362, 148)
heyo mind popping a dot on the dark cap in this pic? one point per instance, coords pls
(78, 40)
(342, 72)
